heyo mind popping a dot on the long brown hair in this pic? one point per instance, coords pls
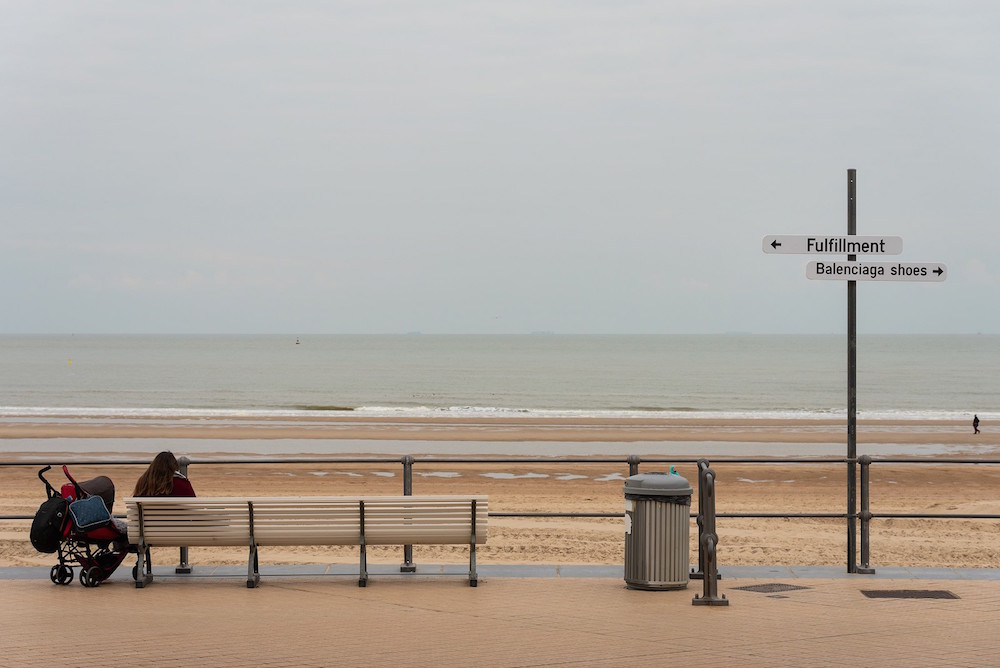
(158, 479)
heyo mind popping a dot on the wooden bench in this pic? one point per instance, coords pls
(304, 520)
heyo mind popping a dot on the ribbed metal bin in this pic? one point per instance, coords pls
(657, 531)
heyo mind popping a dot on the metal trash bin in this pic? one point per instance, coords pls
(657, 531)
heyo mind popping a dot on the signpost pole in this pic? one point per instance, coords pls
(852, 271)
(852, 388)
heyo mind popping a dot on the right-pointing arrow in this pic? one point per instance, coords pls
(939, 271)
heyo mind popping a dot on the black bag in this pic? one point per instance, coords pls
(47, 527)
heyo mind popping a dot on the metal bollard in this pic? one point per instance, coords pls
(707, 539)
(700, 519)
(407, 566)
(703, 503)
(183, 567)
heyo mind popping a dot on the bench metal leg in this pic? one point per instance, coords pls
(363, 577)
(253, 571)
(473, 576)
(143, 573)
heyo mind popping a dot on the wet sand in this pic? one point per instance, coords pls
(506, 429)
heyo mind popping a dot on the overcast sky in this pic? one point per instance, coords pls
(491, 167)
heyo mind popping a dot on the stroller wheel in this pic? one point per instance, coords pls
(87, 577)
(61, 574)
(90, 577)
(95, 576)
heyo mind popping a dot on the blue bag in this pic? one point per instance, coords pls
(89, 513)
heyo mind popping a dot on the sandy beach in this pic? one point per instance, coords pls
(581, 486)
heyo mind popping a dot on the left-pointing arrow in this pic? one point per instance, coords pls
(775, 244)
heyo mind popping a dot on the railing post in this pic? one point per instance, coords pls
(473, 576)
(633, 465)
(865, 515)
(183, 566)
(407, 566)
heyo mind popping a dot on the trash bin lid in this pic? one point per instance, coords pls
(657, 483)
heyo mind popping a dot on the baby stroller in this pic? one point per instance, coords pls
(76, 523)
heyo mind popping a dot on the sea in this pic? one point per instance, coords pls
(531, 375)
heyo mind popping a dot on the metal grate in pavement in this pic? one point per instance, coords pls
(770, 588)
(908, 593)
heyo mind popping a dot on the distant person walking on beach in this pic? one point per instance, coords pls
(975, 424)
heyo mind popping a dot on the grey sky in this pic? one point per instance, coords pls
(491, 167)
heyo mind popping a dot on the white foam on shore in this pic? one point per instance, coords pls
(78, 413)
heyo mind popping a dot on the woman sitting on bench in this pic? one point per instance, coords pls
(163, 479)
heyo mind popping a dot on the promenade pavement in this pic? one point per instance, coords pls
(562, 616)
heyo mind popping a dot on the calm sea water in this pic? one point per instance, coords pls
(543, 375)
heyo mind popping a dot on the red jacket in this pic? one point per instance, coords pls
(182, 487)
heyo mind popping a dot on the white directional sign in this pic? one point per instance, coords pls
(877, 271)
(820, 245)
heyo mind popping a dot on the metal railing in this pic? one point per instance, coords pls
(865, 515)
